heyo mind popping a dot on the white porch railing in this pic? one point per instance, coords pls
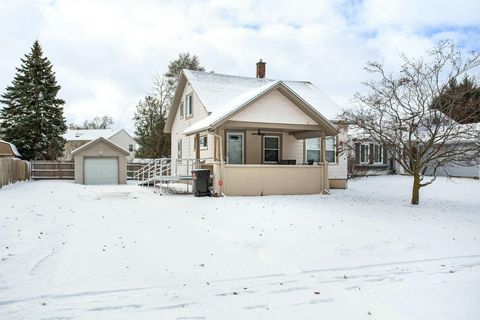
(167, 171)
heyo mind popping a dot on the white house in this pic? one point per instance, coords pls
(273, 136)
(77, 138)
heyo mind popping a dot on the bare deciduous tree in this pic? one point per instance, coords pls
(397, 113)
(103, 122)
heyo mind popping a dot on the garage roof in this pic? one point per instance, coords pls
(101, 139)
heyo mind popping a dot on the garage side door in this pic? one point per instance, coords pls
(100, 170)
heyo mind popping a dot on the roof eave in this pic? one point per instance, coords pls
(175, 101)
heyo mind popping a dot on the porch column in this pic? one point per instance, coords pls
(197, 146)
(218, 164)
(323, 159)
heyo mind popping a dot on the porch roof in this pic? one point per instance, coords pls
(219, 117)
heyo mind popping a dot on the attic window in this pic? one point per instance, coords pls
(189, 106)
(182, 109)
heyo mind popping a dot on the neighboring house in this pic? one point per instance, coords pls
(8, 149)
(462, 169)
(77, 138)
(366, 157)
(269, 133)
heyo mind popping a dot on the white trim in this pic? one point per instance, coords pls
(179, 149)
(334, 150)
(263, 148)
(182, 109)
(306, 149)
(189, 105)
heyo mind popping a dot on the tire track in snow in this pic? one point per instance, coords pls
(386, 264)
(41, 261)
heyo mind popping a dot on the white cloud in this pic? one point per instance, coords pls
(106, 52)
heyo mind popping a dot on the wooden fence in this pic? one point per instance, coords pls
(65, 170)
(132, 167)
(42, 169)
(13, 170)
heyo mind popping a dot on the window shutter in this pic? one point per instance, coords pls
(384, 155)
(371, 153)
(357, 153)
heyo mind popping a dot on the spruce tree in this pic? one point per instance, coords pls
(32, 115)
(150, 120)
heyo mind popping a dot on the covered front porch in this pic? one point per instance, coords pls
(252, 159)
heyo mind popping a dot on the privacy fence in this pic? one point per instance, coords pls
(13, 170)
(42, 169)
(65, 170)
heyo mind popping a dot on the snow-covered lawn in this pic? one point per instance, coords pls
(121, 252)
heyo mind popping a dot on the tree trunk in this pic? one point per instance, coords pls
(416, 188)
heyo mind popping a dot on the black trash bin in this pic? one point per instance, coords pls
(201, 178)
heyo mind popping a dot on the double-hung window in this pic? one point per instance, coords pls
(271, 149)
(364, 153)
(331, 149)
(378, 154)
(179, 149)
(188, 106)
(203, 142)
(313, 149)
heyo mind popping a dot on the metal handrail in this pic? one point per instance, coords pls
(163, 167)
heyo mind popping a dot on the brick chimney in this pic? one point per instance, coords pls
(261, 69)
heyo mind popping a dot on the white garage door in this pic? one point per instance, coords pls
(100, 170)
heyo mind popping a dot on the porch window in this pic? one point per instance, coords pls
(331, 149)
(189, 106)
(179, 149)
(203, 142)
(182, 109)
(313, 150)
(271, 149)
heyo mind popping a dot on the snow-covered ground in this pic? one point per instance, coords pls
(121, 252)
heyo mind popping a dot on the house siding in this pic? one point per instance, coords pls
(274, 107)
(123, 140)
(179, 125)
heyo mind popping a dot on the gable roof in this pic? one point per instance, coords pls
(101, 139)
(91, 134)
(220, 93)
(13, 148)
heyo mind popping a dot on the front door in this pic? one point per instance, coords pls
(235, 147)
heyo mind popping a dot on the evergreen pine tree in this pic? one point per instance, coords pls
(150, 118)
(32, 116)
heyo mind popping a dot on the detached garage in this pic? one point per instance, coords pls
(100, 162)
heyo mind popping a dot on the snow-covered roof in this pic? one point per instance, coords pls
(13, 148)
(222, 94)
(88, 135)
(216, 90)
(229, 107)
(100, 139)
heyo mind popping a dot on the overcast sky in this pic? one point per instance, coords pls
(106, 53)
